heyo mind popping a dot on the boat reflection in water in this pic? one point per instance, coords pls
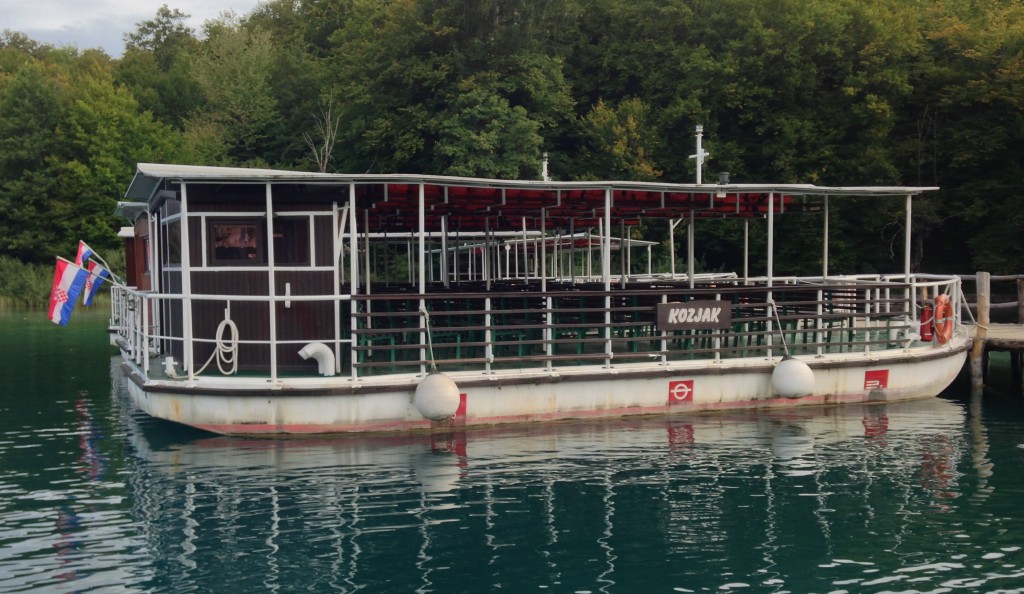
(802, 499)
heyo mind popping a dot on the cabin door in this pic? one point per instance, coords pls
(304, 267)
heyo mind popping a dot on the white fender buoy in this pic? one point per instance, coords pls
(793, 378)
(437, 397)
(322, 354)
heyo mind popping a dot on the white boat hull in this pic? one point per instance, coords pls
(338, 405)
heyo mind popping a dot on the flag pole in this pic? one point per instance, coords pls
(113, 277)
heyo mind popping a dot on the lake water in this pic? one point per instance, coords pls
(919, 497)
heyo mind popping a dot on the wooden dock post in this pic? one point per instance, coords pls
(982, 282)
(1017, 357)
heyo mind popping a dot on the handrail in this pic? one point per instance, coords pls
(1018, 304)
(503, 329)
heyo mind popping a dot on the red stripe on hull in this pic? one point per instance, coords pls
(461, 419)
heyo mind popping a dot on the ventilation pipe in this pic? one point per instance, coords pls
(322, 354)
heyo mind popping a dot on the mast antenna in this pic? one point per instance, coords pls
(701, 153)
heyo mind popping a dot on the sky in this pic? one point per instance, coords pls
(88, 24)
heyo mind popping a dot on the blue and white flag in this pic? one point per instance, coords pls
(97, 275)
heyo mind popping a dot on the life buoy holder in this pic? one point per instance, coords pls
(943, 319)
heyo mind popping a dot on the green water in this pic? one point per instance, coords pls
(922, 497)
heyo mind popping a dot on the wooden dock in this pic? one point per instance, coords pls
(991, 336)
(1005, 337)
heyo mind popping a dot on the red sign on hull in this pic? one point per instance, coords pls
(680, 391)
(876, 379)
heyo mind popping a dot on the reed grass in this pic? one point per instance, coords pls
(24, 285)
(27, 286)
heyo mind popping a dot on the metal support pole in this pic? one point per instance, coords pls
(186, 288)
(690, 248)
(271, 282)
(824, 243)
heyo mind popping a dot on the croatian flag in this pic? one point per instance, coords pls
(68, 281)
(84, 253)
(97, 274)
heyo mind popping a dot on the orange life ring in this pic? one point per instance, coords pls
(943, 319)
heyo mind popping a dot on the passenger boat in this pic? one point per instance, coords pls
(268, 302)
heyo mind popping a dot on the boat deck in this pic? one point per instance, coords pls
(582, 325)
(528, 325)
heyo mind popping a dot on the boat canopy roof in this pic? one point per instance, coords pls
(392, 201)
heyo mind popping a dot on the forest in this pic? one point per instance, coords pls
(832, 92)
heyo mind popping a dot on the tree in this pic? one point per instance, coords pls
(155, 66)
(481, 135)
(161, 35)
(322, 144)
(101, 138)
(620, 141)
(299, 77)
(69, 138)
(832, 92)
(423, 77)
(31, 107)
(962, 131)
(233, 71)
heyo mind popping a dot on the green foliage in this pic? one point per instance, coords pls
(31, 108)
(964, 133)
(413, 72)
(838, 92)
(24, 285)
(233, 71)
(481, 135)
(69, 137)
(155, 66)
(620, 141)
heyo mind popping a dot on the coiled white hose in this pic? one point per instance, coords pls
(226, 352)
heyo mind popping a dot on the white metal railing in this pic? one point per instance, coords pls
(527, 328)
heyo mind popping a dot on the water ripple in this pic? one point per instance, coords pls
(860, 499)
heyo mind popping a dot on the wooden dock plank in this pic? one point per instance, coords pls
(1008, 337)
(988, 336)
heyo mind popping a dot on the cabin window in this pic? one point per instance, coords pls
(291, 241)
(173, 233)
(236, 243)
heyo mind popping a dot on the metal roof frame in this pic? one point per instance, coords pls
(473, 204)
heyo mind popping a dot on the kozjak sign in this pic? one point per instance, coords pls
(694, 315)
